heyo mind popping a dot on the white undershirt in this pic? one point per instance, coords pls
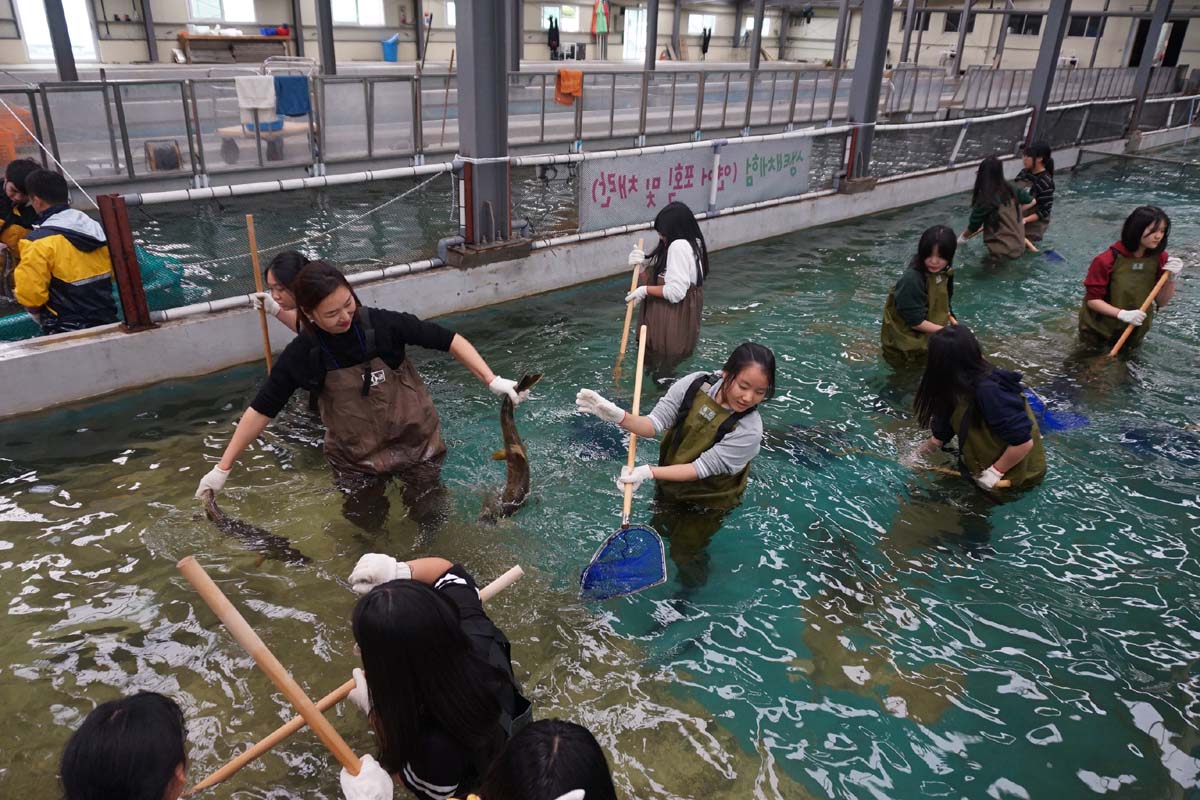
(680, 274)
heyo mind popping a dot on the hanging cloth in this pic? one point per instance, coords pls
(553, 38)
(255, 93)
(599, 18)
(567, 86)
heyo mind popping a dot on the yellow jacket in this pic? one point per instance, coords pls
(16, 226)
(65, 269)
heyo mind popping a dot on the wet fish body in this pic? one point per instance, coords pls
(271, 546)
(516, 487)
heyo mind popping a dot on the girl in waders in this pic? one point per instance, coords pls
(998, 209)
(672, 290)
(1037, 177)
(1121, 278)
(919, 303)
(711, 431)
(962, 395)
(379, 419)
(278, 300)
(436, 681)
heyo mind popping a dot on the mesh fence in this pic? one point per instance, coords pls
(356, 227)
(896, 152)
(1107, 122)
(1062, 127)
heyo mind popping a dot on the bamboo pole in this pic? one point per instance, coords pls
(258, 287)
(627, 503)
(446, 101)
(633, 282)
(324, 704)
(250, 641)
(1144, 308)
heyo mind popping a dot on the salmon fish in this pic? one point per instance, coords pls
(266, 544)
(516, 487)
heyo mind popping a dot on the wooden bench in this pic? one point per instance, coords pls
(206, 48)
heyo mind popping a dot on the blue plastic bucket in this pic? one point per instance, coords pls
(391, 47)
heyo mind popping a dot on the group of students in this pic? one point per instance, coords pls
(54, 256)
(961, 394)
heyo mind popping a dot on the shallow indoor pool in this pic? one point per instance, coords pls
(863, 630)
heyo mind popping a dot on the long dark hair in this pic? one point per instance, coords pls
(991, 188)
(676, 221)
(1042, 150)
(940, 238)
(420, 670)
(752, 353)
(286, 266)
(316, 281)
(127, 749)
(954, 367)
(1140, 221)
(547, 759)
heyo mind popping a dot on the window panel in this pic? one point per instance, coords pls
(345, 12)
(920, 24)
(238, 10)
(748, 26)
(205, 9)
(370, 12)
(951, 24)
(570, 19)
(451, 14)
(698, 22)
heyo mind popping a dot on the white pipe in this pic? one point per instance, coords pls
(1172, 99)
(916, 126)
(1118, 102)
(285, 185)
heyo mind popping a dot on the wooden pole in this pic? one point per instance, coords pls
(250, 641)
(1003, 483)
(258, 287)
(627, 504)
(324, 704)
(1145, 307)
(633, 282)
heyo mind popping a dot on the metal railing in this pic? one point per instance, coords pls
(986, 89)
(114, 131)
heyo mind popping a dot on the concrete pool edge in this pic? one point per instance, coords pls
(40, 374)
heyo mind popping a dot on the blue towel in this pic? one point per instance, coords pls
(291, 95)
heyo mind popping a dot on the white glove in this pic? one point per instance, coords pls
(215, 480)
(359, 695)
(371, 783)
(1131, 316)
(1173, 266)
(989, 478)
(636, 476)
(266, 303)
(574, 794)
(376, 568)
(962, 238)
(636, 256)
(636, 296)
(588, 402)
(503, 386)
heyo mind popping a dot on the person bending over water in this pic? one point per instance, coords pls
(963, 395)
(438, 686)
(1121, 278)
(380, 422)
(711, 431)
(998, 209)
(920, 302)
(551, 759)
(278, 300)
(672, 290)
(133, 748)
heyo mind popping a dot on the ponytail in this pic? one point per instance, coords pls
(1042, 150)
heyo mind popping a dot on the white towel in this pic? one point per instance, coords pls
(256, 93)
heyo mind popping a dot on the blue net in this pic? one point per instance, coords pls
(1050, 420)
(630, 560)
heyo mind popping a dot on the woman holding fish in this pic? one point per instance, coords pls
(380, 422)
(711, 431)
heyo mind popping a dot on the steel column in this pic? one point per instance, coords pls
(963, 24)
(60, 40)
(652, 34)
(785, 23)
(760, 10)
(738, 15)
(1099, 35)
(297, 27)
(909, 21)
(1042, 81)
(676, 15)
(148, 28)
(419, 11)
(325, 37)
(1141, 80)
(515, 37)
(1002, 37)
(863, 106)
(839, 43)
(483, 119)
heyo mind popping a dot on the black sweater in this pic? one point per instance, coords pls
(1001, 402)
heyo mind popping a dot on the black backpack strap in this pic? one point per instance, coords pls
(730, 423)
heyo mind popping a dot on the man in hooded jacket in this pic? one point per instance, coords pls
(64, 278)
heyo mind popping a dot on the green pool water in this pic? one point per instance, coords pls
(865, 631)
